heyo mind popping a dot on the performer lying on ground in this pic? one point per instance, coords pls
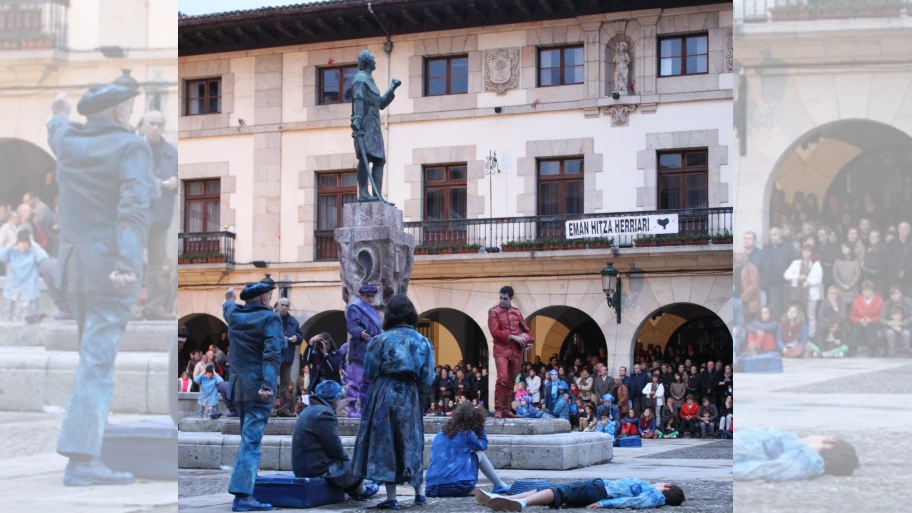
(769, 454)
(316, 449)
(621, 494)
(458, 453)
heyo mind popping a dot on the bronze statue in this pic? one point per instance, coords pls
(367, 102)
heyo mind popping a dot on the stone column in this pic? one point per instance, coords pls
(647, 75)
(594, 55)
(267, 160)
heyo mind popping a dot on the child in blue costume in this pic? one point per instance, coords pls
(621, 494)
(390, 444)
(767, 454)
(208, 398)
(457, 454)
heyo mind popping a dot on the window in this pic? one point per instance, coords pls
(334, 80)
(683, 55)
(560, 66)
(560, 192)
(449, 75)
(682, 180)
(202, 200)
(445, 200)
(204, 96)
(333, 191)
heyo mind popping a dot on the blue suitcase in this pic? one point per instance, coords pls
(628, 441)
(768, 363)
(288, 491)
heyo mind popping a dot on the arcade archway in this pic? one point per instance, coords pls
(678, 331)
(26, 168)
(199, 331)
(455, 337)
(330, 321)
(566, 332)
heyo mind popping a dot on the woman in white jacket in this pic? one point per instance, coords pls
(533, 386)
(654, 395)
(805, 277)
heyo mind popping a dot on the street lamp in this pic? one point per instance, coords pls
(611, 284)
(491, 169)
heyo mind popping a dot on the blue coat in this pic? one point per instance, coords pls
(611, 411)
(291, 327)
(163, 207)
(208, 393)
(561, 409)
(772, 455)
(105, 176)
(546, 398)
(256, 349)
(632, 494)
(315, 444)
(22, 272)
(360, 316)
(452, 459)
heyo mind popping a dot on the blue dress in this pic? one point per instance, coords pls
(772, 455)
(390, 443)
(453, 470)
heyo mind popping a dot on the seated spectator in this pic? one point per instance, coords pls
(598, 493)
(668, 410)
(726, 414)
(444, 385)
(610, 410)
(669, 428)
(576, 406)
(208, 398)
(709, 415)
(21, 288)
(767, 454)
(316, 449)
(525, 409)
(562, 407)
(864, 317)
(793, 334)
(832, 309)
(630, 425)
(458, 453)
(287, 396)
(184, 383)
(605, 425)
(520, 391)
(450, 406)
(464, 385)
(832, 345)
(647, 424)
(896, 318)
(688, 414)
(761, 333)
(588, 418)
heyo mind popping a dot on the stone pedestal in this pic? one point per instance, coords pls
(374, 249)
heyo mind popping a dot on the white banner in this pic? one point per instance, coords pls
(613, 226)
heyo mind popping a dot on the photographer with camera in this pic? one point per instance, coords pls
(326, 360)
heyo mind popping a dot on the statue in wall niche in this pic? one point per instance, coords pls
(621, 68)
(367, 102)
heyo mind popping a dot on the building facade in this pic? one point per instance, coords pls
(267, 162)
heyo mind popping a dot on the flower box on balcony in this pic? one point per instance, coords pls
(422, 250)
(217, 259)
(183, 259)
(468, 248)
(723, 238)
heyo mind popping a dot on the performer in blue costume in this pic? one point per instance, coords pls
(598, 493)
(362, 323)
(390, 444)
(769, 454)
(106, 181)
(257, 344)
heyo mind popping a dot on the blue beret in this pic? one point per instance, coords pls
(329, 390)
(553, 373)
(104, 97)
(367, 289)
(255, 290)
(608, 397)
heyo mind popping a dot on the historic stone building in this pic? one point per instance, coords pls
(592, 109)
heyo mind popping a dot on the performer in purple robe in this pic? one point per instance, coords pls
(362, 322)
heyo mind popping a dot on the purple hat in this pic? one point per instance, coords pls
(367, 289)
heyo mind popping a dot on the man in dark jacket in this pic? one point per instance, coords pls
(899, 258)
(444, 386)
(316, 449)
(293, 338)
(639, 380)
(602, 383)
(709, 382)
(779, 255)
(257, 343)
(326, 360)
(104, 173)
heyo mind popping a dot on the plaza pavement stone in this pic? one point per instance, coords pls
(719, 450)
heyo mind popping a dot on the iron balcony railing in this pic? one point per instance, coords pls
(33, 24)
(760, 11)
(206, 248)
(695, 226)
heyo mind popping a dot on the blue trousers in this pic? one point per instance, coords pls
(253, 416)
(102, 320)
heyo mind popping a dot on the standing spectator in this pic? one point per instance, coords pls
(482, 382)
(304, 380)
(727, 414)
(464, 385)
(896, 318)
(326, 360)
(828, 253)
(750, 283)
(779, 255)
(533, 385)
(637, 383)
(552, 391)
(21, 289)
(653, 394)
(648, 423)
(11, 229)
(726, 384)
(688, 415)
(709, 415)
(865, 319)
(678, 392)
(693, 382)
(621, 395)
(805, 276)
(184, 382)
(603, 383)
(793, 334)
(847, 273)
(585, 383)
(899, 259)
(208, 398)
(709, 381)
(293, 339)
(874, 266)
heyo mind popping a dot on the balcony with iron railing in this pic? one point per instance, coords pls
(206, 248)
(762, 11)
(547, 233)
(33, 25)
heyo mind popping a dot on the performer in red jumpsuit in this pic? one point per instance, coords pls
(511, 337)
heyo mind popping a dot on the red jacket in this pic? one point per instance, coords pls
(503, 323)
(689, 410)
(861, 310)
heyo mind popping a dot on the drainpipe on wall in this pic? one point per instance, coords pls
(388, 50)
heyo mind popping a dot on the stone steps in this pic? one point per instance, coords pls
(208, 450)
(141, 336)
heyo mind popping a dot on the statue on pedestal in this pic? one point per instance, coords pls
(367, 102)
(621, 69)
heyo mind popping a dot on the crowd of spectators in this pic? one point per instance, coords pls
(827, 281)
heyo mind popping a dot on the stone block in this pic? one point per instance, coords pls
(23, 380)
(198, 451)
(268, 63)
(140, 336)
(268, 116)
(268, 81)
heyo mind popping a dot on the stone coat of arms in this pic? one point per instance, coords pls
(501, 70)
